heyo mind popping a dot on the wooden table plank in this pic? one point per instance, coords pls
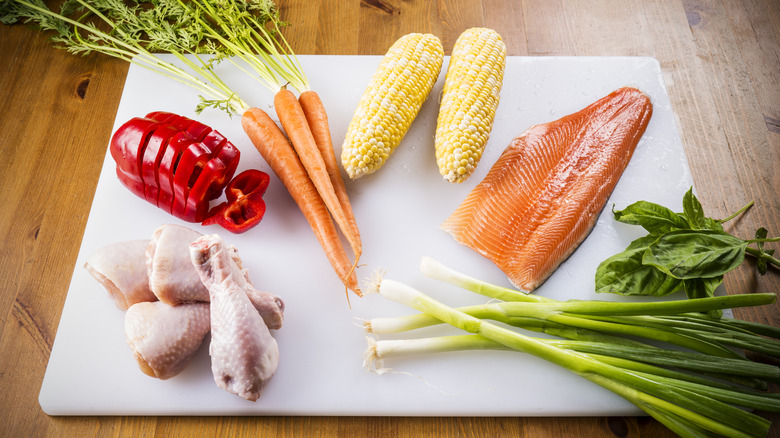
(720, 61)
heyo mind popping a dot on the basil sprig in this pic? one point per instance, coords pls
(682, 251)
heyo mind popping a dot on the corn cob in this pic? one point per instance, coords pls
(469, 101)
(391, 101)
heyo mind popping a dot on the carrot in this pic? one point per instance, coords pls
(317, 118)
(281, 157)
(297, 128)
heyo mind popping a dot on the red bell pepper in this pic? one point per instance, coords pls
(173, 162)
(191, 164)
(214, 175)
(150, 160)
(245, 206)
(193, 127)
(168, 164)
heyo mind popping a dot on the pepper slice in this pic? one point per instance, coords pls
(127, 148)
(165, 172)
(245, 206)
(173, 162)
(193, 161)
(150, 162)
(213, 176)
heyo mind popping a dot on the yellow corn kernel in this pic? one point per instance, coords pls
(469, 101)
(391, 101)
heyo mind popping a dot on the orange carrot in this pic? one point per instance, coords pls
(297, 128)
(281, 157)
(317, 118)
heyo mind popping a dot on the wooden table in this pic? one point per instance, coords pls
(720, 61)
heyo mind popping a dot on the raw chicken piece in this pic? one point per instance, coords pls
(270, 307)
(174, 280)
(121, 269)
(163, 338)
(244, 355)
(172, 277)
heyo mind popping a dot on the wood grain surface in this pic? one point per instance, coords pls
(720, 61)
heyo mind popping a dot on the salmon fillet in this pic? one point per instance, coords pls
(544, 194)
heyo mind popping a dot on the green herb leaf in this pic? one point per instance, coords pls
(703, 288)
(624, 273)
(682, 250)
(688, 254)
(693, 211)
(654, 218)
(764, 254)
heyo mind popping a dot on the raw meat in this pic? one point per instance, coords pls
(172, 278)
(244, 355)
(164, 338)
(121, 269)
(544, 194)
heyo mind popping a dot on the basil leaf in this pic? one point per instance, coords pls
(707, 224)
(761, 263)
(712, 224)
(624, 273)
(703, 288)
(654, 218)
(642, 242)
(693, 210)
(761, 233)
(687, 254)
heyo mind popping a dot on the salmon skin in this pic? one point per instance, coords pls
(542, 197)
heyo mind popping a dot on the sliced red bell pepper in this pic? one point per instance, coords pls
(174, 162)
(215, 174)
(245, 206)
(150, 162)
(167, 168)
(127, 148)
(193, 161)
(195, 128)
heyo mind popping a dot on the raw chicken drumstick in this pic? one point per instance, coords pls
(174, 280)
(244, 355)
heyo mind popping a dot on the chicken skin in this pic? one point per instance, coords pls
(120, 268)
(172, 277)
(174, 280)
(244, 355)
(164, 338)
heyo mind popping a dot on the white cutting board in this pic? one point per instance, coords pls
(91, 370)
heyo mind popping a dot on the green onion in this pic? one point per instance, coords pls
(702, 388)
